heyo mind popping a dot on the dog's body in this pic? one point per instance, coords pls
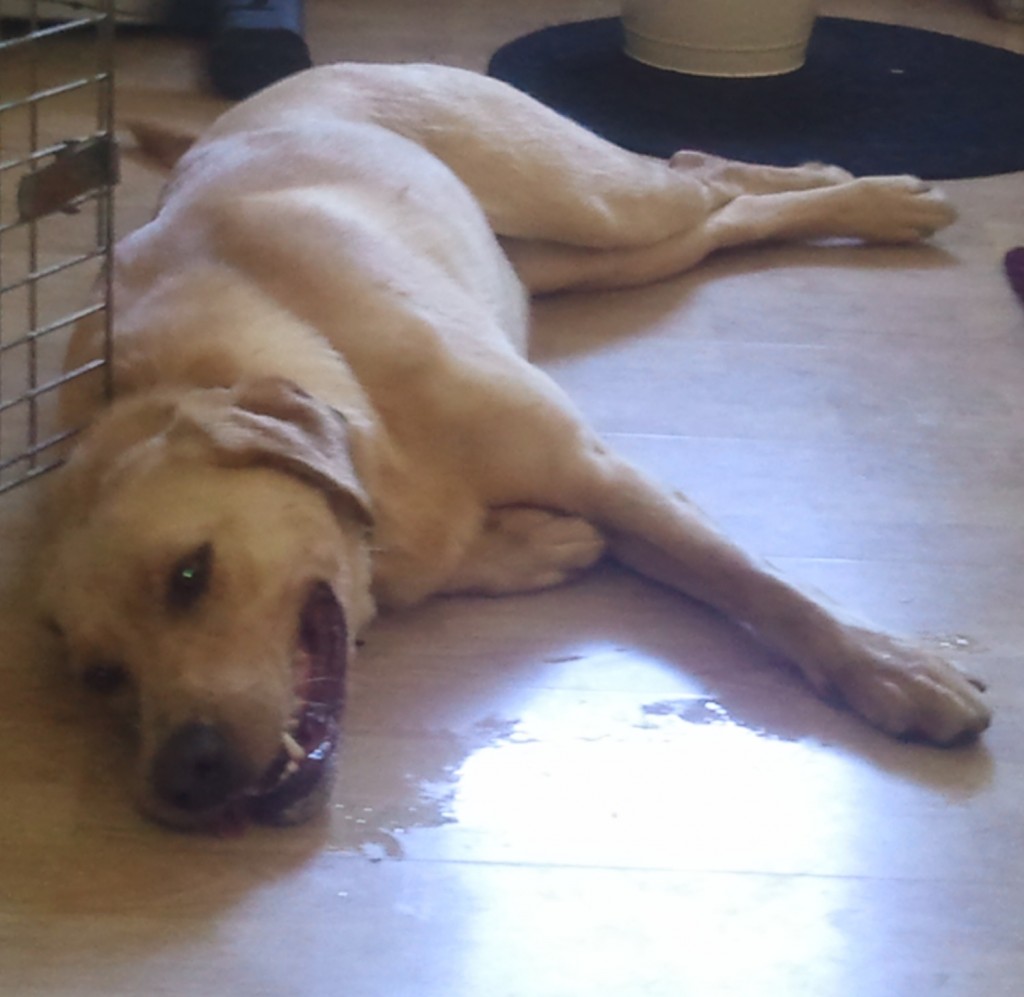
(324, 406)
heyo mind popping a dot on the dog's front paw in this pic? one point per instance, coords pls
(539, 548)
(523, 549)
(905, 690)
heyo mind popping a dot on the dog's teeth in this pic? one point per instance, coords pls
(290, 769)
(293, 748)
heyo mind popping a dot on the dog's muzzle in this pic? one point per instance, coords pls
(197, 769)
(199, 775)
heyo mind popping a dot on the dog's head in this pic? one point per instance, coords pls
(207, 567)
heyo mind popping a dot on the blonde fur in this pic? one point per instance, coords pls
(324, 328)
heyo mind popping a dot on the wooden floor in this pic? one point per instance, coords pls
(605, 791)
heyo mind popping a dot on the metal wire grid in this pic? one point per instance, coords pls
(56, 214)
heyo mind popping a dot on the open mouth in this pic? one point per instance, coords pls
(297, 782)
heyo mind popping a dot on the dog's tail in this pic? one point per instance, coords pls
(159, 144)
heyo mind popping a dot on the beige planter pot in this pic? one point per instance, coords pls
(719, 37)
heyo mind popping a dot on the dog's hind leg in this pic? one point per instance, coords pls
(873, 209)
(560, 196)
(755, 178)
(540, 176)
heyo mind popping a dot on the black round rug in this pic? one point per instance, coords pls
(873, 98)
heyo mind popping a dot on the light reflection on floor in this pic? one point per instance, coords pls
(678, 783)
(611, 778)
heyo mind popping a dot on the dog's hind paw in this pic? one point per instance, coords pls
(893, 209)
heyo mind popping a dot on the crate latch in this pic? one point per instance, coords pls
(80, 168)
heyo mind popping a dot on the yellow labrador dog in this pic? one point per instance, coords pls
(323, 407)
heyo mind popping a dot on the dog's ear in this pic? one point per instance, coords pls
(270, 422)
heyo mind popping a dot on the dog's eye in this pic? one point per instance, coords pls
(104, 677)
(190, 578)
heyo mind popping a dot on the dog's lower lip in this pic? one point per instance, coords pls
(305, 762)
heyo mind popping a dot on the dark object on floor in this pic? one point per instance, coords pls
(1014, 265)
(872, 98)
(256, 43)
(193, 17)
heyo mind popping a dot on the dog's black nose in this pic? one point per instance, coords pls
(197, 768)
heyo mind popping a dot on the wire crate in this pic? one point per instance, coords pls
(58, 167)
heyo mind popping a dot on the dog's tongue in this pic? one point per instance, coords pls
(1014, 265)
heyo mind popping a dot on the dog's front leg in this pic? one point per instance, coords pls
(898, 687)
